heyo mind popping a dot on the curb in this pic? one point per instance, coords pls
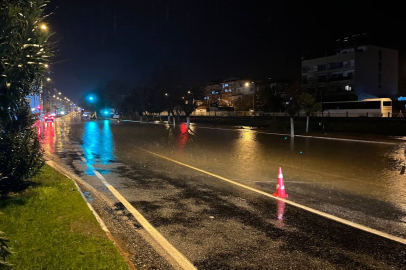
(98, 218)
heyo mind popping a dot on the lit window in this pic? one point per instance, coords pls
(230, 90)
(226, 84)
(213, 92)
(348, 88)
(226, 90)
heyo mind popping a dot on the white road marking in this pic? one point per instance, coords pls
(314, 211)
(287, 135)
(307, 136)
(181, 260)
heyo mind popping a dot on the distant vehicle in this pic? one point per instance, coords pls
(375, 107)
(49, 118)
(86, 114)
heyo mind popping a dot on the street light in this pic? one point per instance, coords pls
(48, 79)
(46, 65)
(43, 27)
(59, 93)
(188, 92)
(247, 84)
(166, 94)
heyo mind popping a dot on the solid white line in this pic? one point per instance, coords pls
(349, 140)
(287, 135)
(317, 212)
(306, 136)
(183, 262)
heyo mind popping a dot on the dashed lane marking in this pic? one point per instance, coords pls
(181, 260)
(306, 208)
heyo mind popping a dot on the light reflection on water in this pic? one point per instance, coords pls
(98, 144)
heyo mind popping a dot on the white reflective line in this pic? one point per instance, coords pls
(308, 136)
(350, 140)
(181, 260)
(98, 175)
(314, 211)
(287, 135)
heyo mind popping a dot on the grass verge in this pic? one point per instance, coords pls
(50, 227)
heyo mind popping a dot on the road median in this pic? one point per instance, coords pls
(51, 227)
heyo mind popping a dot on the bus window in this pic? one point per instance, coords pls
(387, 103)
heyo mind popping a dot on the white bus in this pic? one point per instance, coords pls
(375, 107)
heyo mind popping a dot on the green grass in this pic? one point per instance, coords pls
(50, 227)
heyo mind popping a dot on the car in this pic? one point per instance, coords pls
(86, 115)
(49, 118)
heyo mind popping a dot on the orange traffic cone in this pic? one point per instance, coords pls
(280, 186)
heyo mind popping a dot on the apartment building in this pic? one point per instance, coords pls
(225, 93)
(353, 73)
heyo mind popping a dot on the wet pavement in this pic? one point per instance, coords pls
(217, 225)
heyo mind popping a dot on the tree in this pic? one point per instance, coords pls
(243, 103)
(189, 100)
(270, 100)
(292, 104)
(307, 102)
(24, 51)
(166, 83)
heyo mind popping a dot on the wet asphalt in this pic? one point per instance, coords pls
(217, 225)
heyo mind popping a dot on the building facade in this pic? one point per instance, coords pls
(353, 73)
(225, 93)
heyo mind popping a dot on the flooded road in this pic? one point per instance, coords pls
(217, 225)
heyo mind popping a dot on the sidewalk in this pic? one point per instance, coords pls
(51, 227)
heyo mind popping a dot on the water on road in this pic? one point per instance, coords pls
(216, 224)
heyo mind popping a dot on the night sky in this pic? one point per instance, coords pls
(104, 40)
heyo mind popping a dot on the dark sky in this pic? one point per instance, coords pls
(102, 40)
